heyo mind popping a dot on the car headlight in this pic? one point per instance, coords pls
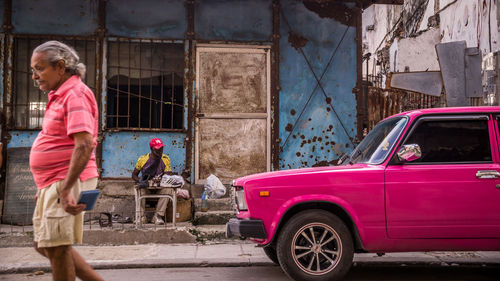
(239, 198)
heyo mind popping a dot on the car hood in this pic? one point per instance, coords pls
(294, 172)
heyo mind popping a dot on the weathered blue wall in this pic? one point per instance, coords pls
(143, 19)
(121, 150)
(146, 18)
(233, 20)
(54, 17)
(22, 138)
(318, 138)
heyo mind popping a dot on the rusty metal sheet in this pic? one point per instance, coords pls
(231, 148)
(315, 135)
(232, 82)
(384, 103)
(452, 63)
(429, 82)
(473, 76)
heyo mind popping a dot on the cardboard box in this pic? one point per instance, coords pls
(184, 210)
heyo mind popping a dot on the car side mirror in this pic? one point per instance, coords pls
(409, 152)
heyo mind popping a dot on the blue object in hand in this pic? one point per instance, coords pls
(88, 197)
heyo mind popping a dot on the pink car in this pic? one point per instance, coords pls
(424, 180)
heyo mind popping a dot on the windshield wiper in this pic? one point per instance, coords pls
(342, 158)
(355, 154)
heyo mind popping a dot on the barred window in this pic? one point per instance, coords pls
(145, 85)
(30, 102)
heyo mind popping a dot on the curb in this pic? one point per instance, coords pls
(247, 263)
(132, 265)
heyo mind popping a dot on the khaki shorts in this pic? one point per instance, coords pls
(52, 226)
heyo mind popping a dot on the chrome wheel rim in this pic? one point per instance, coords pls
(316, 248)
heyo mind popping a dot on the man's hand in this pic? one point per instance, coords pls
(81, 155)
(69, 204)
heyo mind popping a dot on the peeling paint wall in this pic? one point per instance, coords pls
(315, 39)
(146, 18)
(143, 19)
(417, 53)
(22, 138)
(233, 20)
(419, 25)
(473, 21)
(430, 10)
(121, 150)
(225, 146)
(54, 17)
(318, 137)
(377, 22)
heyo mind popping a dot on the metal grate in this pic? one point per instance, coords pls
(29, 101)
(145, 85)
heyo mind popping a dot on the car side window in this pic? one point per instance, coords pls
(452, 141)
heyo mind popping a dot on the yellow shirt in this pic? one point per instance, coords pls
(144, 158)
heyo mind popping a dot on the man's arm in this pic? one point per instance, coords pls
(84, 145)
(168, 168)
(135, 175)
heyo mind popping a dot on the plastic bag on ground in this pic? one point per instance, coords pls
(214, 187)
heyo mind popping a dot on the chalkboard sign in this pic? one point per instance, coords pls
(20, 188)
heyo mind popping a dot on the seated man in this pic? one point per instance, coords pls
(152, 166)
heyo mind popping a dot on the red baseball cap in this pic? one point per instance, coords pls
(156, 143)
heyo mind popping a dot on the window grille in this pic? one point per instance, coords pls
(30, 102)
(145, 81)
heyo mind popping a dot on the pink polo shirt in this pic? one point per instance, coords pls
(71, 109)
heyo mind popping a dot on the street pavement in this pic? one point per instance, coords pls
(221, 254)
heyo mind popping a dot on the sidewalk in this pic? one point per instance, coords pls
(227, 254)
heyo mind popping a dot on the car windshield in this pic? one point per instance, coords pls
(378, 143)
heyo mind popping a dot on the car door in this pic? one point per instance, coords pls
(451, 191)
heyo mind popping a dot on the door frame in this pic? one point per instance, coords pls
(232, 48)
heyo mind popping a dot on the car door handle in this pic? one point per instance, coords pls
(487, 174)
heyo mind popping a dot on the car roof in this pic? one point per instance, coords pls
(448, 110)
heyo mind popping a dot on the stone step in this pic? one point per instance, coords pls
(221, 204)
(204, 233)
(125, 234)
(213, 217)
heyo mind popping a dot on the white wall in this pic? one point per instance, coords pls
(418, 53)
(429, 11)
(383, 17)
(467, 20)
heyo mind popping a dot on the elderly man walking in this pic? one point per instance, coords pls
(62, 158)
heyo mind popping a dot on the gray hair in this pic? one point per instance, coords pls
(56, 51)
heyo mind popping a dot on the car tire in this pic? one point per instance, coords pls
(270, 252)
(315, 245)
